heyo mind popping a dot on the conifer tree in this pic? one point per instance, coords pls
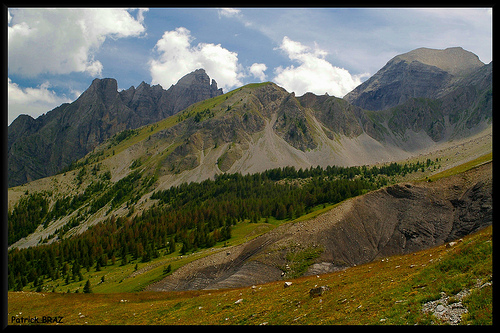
(87, 289)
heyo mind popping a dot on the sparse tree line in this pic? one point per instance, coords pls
(33, 209)
(194, 215)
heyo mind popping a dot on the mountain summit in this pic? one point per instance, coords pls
(192, 88)
(454, 60)
(422, 72)
(41, 147)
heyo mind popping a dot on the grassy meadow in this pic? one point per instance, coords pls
(386, 292)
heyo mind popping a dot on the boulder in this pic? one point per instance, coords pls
(318, 291)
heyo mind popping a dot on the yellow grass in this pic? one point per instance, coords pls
(391, 291)
(463, 167)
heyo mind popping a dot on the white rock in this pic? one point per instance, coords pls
(440, 308)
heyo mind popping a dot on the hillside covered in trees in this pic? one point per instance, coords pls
(194, 215)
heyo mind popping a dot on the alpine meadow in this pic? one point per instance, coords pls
(256, 206)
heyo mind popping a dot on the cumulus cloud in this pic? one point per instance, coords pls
(65, 40)
(257, 70)
(314, 74)
(177, 57)
(31, 101)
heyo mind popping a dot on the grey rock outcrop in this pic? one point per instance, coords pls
(450, 309)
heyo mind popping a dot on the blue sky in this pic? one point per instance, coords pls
(54, 54)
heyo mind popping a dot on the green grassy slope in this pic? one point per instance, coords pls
(390, 291)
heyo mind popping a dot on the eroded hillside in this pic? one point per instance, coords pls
(398, 219)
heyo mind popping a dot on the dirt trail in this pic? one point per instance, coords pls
(398, 219)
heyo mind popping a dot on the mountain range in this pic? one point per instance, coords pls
(43, 146)
(170, 172)
(262, 126)
(416, 102)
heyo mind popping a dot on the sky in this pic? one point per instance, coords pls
(55, 54)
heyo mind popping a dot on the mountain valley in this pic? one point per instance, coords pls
(147, 189)
(406, 284)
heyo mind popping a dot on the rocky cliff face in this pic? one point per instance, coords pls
(192, 88)
(444, 93)
(422, 72)
(41, 147)
(461, 106)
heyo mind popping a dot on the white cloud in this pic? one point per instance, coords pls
(31, 101)
(64, 40)
(229, 12)
(314, 74)
(140, 14)
(257, 70)
(177, 57)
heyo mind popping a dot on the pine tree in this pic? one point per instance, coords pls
(291, 212)
(171, 245)
(124, 260)
(184, 248)
(19, 286)
(87, 289)
(280, 213)
(76, 270)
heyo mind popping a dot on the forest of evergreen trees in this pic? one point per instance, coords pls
(195, 215)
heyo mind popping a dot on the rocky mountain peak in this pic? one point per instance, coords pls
(198, 76)
(196, 86)
(199, 79)
(424, 72)
(105, 89)
(143, 85)
(71, 130)
(213, 86)
(454, 60)
(105, 85)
